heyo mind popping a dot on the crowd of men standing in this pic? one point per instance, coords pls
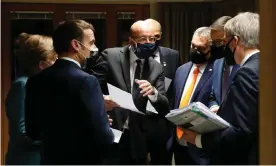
(60, 111)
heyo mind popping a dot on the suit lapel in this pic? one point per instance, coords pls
(182, 80)
(206, 74)
(161, 55)
(219, 76)
(125, 64)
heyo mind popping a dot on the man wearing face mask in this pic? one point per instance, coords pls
(132, 69)
(224, 68)
(238, 144)
(170, 60)
(68, 103)
(192, 83)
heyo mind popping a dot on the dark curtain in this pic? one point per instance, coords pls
(180, 20)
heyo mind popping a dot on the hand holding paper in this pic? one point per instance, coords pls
(109, 103)
(122, 98)
(146, 87)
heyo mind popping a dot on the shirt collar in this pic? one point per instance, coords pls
(248, 56)
(201, 68)
(72, 60)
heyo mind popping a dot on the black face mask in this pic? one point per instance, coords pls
(157, 44)
(229, 55)
(197, 57)
(144, 51)
(217, 52)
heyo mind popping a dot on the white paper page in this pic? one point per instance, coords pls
(117, 135)
(150, 108)
(167, 83)
(122, 98)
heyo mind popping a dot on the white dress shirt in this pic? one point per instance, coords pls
(187, 84)
(72, 60)
(198, 137)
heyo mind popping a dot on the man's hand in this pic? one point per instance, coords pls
(147, 88)
(109, 103)
(214, 108)
(188, 135)
(110, 120)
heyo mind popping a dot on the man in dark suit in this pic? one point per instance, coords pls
(170, 60)
(64, 105)
(224, 68)
(192, 83)
(237, 144)
(132, 69)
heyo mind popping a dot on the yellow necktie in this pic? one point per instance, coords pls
(186, 98)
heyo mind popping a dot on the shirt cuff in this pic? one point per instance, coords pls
(214, 106)
(153, 98)
(198, 141)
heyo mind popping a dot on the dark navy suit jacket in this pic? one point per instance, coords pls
(238, 145)
(218, 68)
(65, 109)
(201, 94)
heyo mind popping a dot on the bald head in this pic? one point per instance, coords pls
(136, 28)
(155, 27)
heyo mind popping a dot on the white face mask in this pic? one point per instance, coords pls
(86, 48)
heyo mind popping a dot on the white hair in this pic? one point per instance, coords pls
(203, 32)
(247, 27)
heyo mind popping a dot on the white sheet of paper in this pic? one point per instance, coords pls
(167, 83)
(122, 98)
(117, 135)
(150, 108)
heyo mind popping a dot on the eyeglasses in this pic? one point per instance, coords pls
(143, 39)
(218, 43)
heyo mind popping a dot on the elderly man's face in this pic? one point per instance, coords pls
(144, 35)
(200, 44)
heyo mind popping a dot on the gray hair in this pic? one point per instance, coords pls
(204, 32)
(247, 27)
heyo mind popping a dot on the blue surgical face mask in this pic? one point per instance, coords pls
(145, 50)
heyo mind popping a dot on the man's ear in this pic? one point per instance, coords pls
(75, 45)
(236, 39)
(129, 40)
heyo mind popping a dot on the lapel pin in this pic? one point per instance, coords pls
(164, 63)
(210, 69)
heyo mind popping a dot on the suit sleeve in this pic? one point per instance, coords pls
(242, 101)
(16, 112)
(96, 117)
(97, 66)
(212, 99)
(162, 103)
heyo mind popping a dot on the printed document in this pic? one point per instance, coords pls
(197, 117)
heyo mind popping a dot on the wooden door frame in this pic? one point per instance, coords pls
(141, 12)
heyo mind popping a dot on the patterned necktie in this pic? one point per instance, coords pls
(186, 98)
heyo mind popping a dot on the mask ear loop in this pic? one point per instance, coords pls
(134, 49)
